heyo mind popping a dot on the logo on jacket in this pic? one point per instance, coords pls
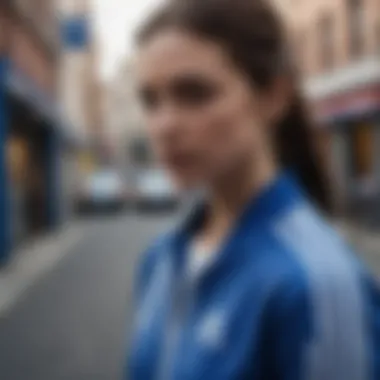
(211, 331)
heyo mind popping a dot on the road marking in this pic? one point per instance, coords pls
(32, 263)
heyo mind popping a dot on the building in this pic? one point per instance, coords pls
(337, 44)
(124, 119)
(30, 127)
(76, 40)
(80, 91)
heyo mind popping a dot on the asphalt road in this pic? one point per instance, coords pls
(73, 323)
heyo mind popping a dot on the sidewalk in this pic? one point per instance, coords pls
(29, 263)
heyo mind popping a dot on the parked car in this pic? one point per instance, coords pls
(154, 191)
(102, 190)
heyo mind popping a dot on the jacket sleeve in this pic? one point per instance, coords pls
(286, 333)
(333, 338)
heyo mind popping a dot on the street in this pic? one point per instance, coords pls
(73, 323)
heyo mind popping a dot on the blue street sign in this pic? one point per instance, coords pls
(75, 32)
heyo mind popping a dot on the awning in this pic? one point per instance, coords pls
(348, 107)
(22, 87)
(46, 106)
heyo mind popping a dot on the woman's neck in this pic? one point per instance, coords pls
(229, 196)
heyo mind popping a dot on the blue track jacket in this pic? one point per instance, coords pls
(284, 300)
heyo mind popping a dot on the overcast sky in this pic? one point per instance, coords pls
(115, 21)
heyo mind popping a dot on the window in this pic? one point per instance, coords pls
(356, 27)
(326, 41)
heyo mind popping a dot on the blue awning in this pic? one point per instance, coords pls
(23, 88)
(26, 90)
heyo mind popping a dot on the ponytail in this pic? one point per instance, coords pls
(297, 150)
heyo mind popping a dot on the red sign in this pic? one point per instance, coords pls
(353, 104)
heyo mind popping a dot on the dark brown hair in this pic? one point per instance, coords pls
(253, 35)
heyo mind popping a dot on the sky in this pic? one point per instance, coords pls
(115, 22)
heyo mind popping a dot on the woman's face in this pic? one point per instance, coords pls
(203, 117)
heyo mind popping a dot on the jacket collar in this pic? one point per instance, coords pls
(273, 201)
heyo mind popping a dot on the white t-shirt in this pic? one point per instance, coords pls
(200, 257)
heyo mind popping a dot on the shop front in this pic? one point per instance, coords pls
(30, 161)
(353, 121)
(30, 132)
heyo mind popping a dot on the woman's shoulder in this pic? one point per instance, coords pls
(310, 239)
(317, 263)
(324, 289)
(309, 253)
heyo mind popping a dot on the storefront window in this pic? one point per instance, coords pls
(17, 152)
(362, 144)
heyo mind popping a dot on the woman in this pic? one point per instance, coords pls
(254, 284)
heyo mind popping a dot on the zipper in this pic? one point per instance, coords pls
(180, 311)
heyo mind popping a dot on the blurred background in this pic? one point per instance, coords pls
(81, 196)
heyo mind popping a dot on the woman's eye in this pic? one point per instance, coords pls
(193, 92)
